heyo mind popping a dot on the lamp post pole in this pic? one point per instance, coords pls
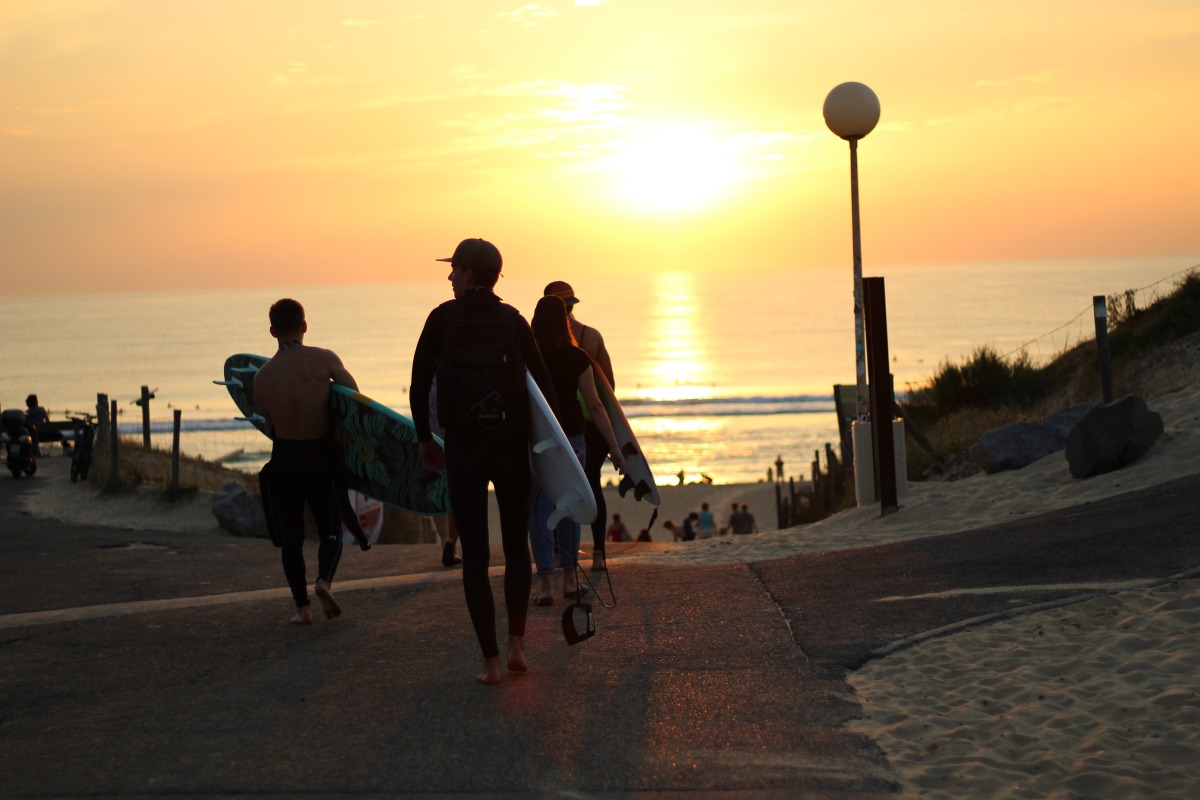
(860, 355)
(851, 111)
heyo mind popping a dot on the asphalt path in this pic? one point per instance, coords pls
(156, 663)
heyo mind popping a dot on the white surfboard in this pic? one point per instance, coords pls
(554, 464)
(638, 476)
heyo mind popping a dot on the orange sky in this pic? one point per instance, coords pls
(160, 145)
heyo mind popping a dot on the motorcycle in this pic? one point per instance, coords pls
(81, 454)
(18, 444)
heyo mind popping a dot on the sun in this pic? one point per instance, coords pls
(672, 168)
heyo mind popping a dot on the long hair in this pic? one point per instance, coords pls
(551, 330)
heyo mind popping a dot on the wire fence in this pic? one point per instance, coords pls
(1082, 328)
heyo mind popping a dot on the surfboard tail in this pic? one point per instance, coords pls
(640, 488)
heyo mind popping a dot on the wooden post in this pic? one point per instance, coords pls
(144, 402)
(114, 439)
(779, 504)
(881, 394)
(1101, 312)
(101, 422)
(175, 455)
(835, 476)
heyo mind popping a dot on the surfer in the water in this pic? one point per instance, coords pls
(592, 343)
(292, 391)
(474, 457)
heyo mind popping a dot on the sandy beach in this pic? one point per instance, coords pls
(1099, 698)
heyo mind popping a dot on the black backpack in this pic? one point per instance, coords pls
(480, 371)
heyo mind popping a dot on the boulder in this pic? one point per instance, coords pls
(1112, 436)
(1022, 443)
(1015, 446)
(239, 511)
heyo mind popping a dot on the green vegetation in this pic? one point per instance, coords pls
(962, 402)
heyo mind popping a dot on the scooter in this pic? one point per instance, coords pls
(81, 455)
(18, 444)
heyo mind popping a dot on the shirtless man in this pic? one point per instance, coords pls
(292, 390)
(592, 343)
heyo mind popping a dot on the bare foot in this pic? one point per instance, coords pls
(516, 654)
(491, 672)
(303, 616)
(328, 604)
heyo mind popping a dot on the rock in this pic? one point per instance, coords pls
(1068, 418)
(1016, 446)
(1112, 436)
(239, 511)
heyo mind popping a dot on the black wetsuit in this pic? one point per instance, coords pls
(299, 472)
(472, 461)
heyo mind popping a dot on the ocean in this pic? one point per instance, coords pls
(720, 374)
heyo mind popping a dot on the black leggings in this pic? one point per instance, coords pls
(597, 452)
(471, 463)
(298, 474)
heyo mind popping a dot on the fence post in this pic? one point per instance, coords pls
(114, 440)
(175, 455)
(1100, 309)
(144, 402)
(101, 422)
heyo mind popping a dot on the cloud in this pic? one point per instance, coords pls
(528, 15)
(359, 23)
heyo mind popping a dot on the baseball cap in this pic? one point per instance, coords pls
(476, 254)
(561, 290)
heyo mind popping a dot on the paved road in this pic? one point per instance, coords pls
(157, 663)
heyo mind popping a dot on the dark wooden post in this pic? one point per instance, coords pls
(114, 440)
(144, 402)
(101, 422)
(881, 394)
(175, 455)
(1100, 309)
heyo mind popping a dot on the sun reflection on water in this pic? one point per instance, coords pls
(678, 352)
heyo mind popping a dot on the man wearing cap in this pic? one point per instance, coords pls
(473, 458)
(596, 448)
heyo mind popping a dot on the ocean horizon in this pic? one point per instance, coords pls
(720, 374)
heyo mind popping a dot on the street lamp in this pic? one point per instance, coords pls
(851, 111)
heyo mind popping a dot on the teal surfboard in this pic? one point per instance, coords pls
(377, 447)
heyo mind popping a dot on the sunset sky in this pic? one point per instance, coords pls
(170, 144)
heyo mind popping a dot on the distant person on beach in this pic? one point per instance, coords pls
(36, 419)
(748, 519)
(707, 526)
(292, 390)
(676, 530)
(617, 532)
(689, 526)
(742, 521)
(734, 522)
(644, 535)
(592, 343)
(571, 371)
(486, 441)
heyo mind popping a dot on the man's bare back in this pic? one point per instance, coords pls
(292, 390)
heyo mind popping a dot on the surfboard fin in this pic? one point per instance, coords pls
(629, 450)
(235, 383)
(640, 489)
(254, 420)
(543, 446)
(562, 509)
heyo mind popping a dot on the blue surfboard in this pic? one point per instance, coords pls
(377, 447)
